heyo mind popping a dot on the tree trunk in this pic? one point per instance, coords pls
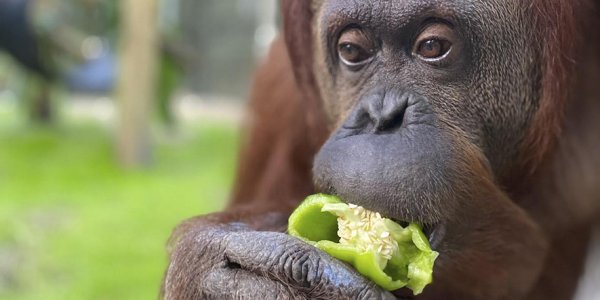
(39, 100)
(139, 49)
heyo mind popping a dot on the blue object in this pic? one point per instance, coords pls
(94, 76)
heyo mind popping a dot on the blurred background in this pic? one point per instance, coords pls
(118, 120)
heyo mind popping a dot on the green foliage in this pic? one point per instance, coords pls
(74, 225)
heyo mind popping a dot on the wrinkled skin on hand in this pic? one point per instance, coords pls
(234, 261)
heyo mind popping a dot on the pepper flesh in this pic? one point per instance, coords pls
(390, 255)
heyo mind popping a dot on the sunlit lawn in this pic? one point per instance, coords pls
(74, 225)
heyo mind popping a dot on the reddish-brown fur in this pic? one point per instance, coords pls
(287, 125)
(560, 26)
(286, 130)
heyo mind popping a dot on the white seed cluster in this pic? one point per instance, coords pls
(367, 231)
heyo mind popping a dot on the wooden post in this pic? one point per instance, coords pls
(138, 60)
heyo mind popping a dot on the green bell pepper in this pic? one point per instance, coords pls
(390, 255)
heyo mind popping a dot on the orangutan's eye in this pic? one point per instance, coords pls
(355, 47)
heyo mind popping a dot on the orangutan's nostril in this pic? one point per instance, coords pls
(390, 121)
(231, 264)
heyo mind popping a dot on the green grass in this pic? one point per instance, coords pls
(74, 225)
